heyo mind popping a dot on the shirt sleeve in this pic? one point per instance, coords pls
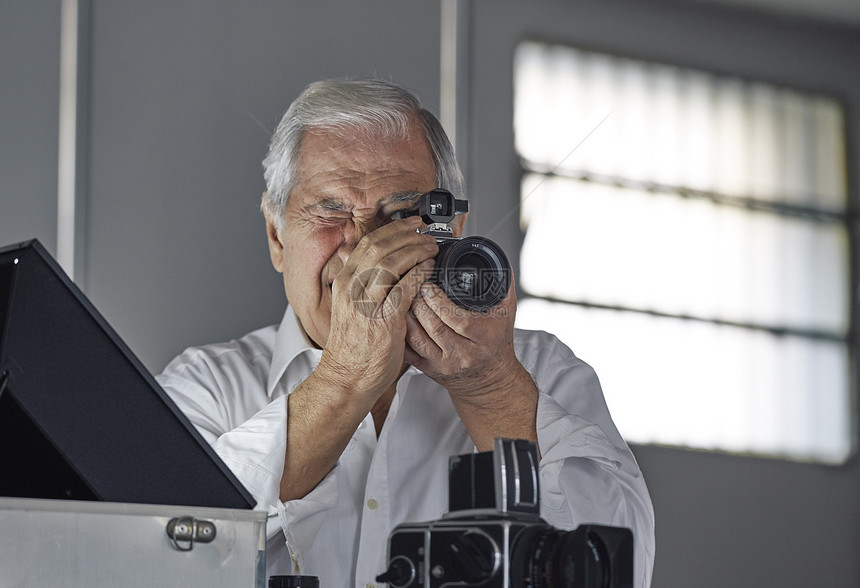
(588, 473)
(253, 447)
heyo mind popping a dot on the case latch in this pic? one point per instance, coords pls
(186, 531)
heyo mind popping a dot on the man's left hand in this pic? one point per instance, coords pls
(471, 354)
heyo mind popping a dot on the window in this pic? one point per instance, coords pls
(687, 234)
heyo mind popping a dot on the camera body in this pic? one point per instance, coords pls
(473, 271)
(493, 535)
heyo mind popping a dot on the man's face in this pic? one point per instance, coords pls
(345, 189)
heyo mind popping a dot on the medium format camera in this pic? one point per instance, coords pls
(493, 535)
(472, 271)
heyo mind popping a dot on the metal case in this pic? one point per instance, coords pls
(93, 544)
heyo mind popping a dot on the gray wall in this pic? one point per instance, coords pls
(182, 98)
(29, 114)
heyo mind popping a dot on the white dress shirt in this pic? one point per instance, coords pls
(236, 395)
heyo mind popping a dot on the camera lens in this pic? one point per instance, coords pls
(543, 557)
(473, 272)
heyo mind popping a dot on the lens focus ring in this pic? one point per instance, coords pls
(474, 272)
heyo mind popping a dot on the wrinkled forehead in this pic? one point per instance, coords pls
(361, 167)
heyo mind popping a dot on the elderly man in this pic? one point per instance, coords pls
(340, 421)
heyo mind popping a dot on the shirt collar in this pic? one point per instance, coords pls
(290, 345)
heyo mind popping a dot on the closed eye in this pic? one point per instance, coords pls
(330, 212)
(331, 219)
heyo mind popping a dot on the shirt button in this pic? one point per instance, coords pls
(372, 504)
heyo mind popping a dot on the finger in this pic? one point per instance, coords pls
(419, 342)
(372, 277)
(431, 317)
(400, 297)
(411, 357)
(396, 246)
(406, 257)
(445, 312)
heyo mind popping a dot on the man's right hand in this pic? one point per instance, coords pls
(371, 297)
(363, 356)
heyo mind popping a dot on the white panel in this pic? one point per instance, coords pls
(683, 256)
(828, 151)
(700, 385)
(612, 241)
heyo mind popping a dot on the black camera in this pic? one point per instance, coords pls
(493, 535)
(473, 271)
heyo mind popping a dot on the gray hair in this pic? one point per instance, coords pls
(347, 108)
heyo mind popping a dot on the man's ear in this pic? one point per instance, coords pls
(276, 246)
(458, 225)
